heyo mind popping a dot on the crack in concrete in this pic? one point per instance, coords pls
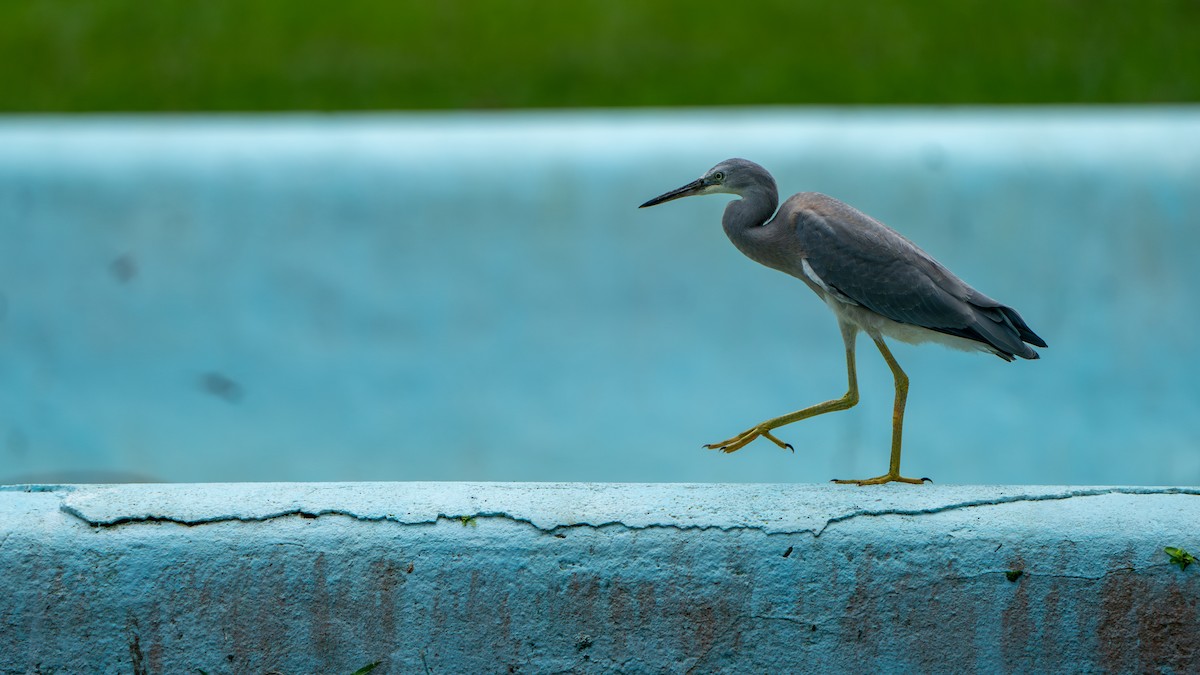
(36, 487)
(230, 518)
(616, 524)
(932, 583)
(782, 617)
(1027, 573)
(1009, 500)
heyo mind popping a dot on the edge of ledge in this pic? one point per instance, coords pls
(549, 507)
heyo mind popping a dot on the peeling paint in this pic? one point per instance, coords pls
(661, 578)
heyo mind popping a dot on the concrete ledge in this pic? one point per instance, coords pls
(534, 578)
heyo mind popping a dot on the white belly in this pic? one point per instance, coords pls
(875, 325)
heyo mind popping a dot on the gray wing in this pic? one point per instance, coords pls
(874, 266)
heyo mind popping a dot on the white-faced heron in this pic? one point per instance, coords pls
(873, 279)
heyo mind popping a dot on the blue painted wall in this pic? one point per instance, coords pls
(476, 296)
(596, 578)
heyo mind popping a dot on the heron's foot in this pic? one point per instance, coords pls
(741, 440)
(886, 478)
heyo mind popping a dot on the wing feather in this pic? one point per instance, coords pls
(878, 268)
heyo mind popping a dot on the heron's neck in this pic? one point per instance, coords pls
(752, 210)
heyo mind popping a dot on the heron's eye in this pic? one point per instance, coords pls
(718, 176)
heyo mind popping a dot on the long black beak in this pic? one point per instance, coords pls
(692, 188)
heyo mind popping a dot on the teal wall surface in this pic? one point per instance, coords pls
(477, 297)
(596, 578)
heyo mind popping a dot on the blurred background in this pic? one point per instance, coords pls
(399, 241)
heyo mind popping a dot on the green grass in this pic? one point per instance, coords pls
(227, 55)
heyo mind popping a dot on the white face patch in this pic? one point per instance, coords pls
(718, 187)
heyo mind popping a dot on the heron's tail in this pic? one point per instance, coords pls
(1004, 329)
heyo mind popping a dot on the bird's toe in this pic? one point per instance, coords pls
(880, 480)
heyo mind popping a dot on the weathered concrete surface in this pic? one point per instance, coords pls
(632, 578)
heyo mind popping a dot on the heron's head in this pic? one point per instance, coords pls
(733, 176)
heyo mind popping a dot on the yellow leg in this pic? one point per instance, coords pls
(893, 474)
(764, 429)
